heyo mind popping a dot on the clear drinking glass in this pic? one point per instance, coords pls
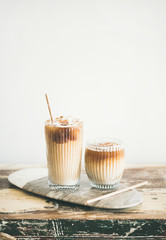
(104, 162)
(64, 153)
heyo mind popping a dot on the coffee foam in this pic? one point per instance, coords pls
(66, 121)
(105, 145)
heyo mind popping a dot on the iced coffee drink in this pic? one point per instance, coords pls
(104, 163)
(64, 152)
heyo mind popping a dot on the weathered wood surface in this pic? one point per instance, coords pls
(109, 229)
(38, 219)
(35, 180)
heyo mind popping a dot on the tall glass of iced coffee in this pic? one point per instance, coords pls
(64, 152)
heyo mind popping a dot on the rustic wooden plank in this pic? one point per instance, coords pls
(147, 221)
(153, 206)
(155, 176)
(35, 180)
(87, 229)
(91, 238)
(15, 201)
(5, 184)
(80, 238)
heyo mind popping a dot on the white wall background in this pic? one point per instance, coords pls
(102, 61)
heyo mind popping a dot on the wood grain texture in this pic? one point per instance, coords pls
(154, 204)
(23, 202)
(35, 180)
(109, 229)
(146, 221)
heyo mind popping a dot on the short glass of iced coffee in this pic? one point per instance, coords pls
(104, 162)
(64, 152)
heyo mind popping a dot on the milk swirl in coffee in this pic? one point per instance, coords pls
(64, 152)
(104, 162)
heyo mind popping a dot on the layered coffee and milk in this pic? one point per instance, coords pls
(104, 162)
(64, 151)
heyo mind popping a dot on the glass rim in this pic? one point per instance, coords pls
(48, 122)
(102, 144)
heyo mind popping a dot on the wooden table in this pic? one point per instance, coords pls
(27, 216)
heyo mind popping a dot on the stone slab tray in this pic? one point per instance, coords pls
(35, 180)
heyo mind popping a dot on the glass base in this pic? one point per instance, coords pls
(54, 187)
(105, 186)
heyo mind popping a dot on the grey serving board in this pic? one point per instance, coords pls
(35, 180)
